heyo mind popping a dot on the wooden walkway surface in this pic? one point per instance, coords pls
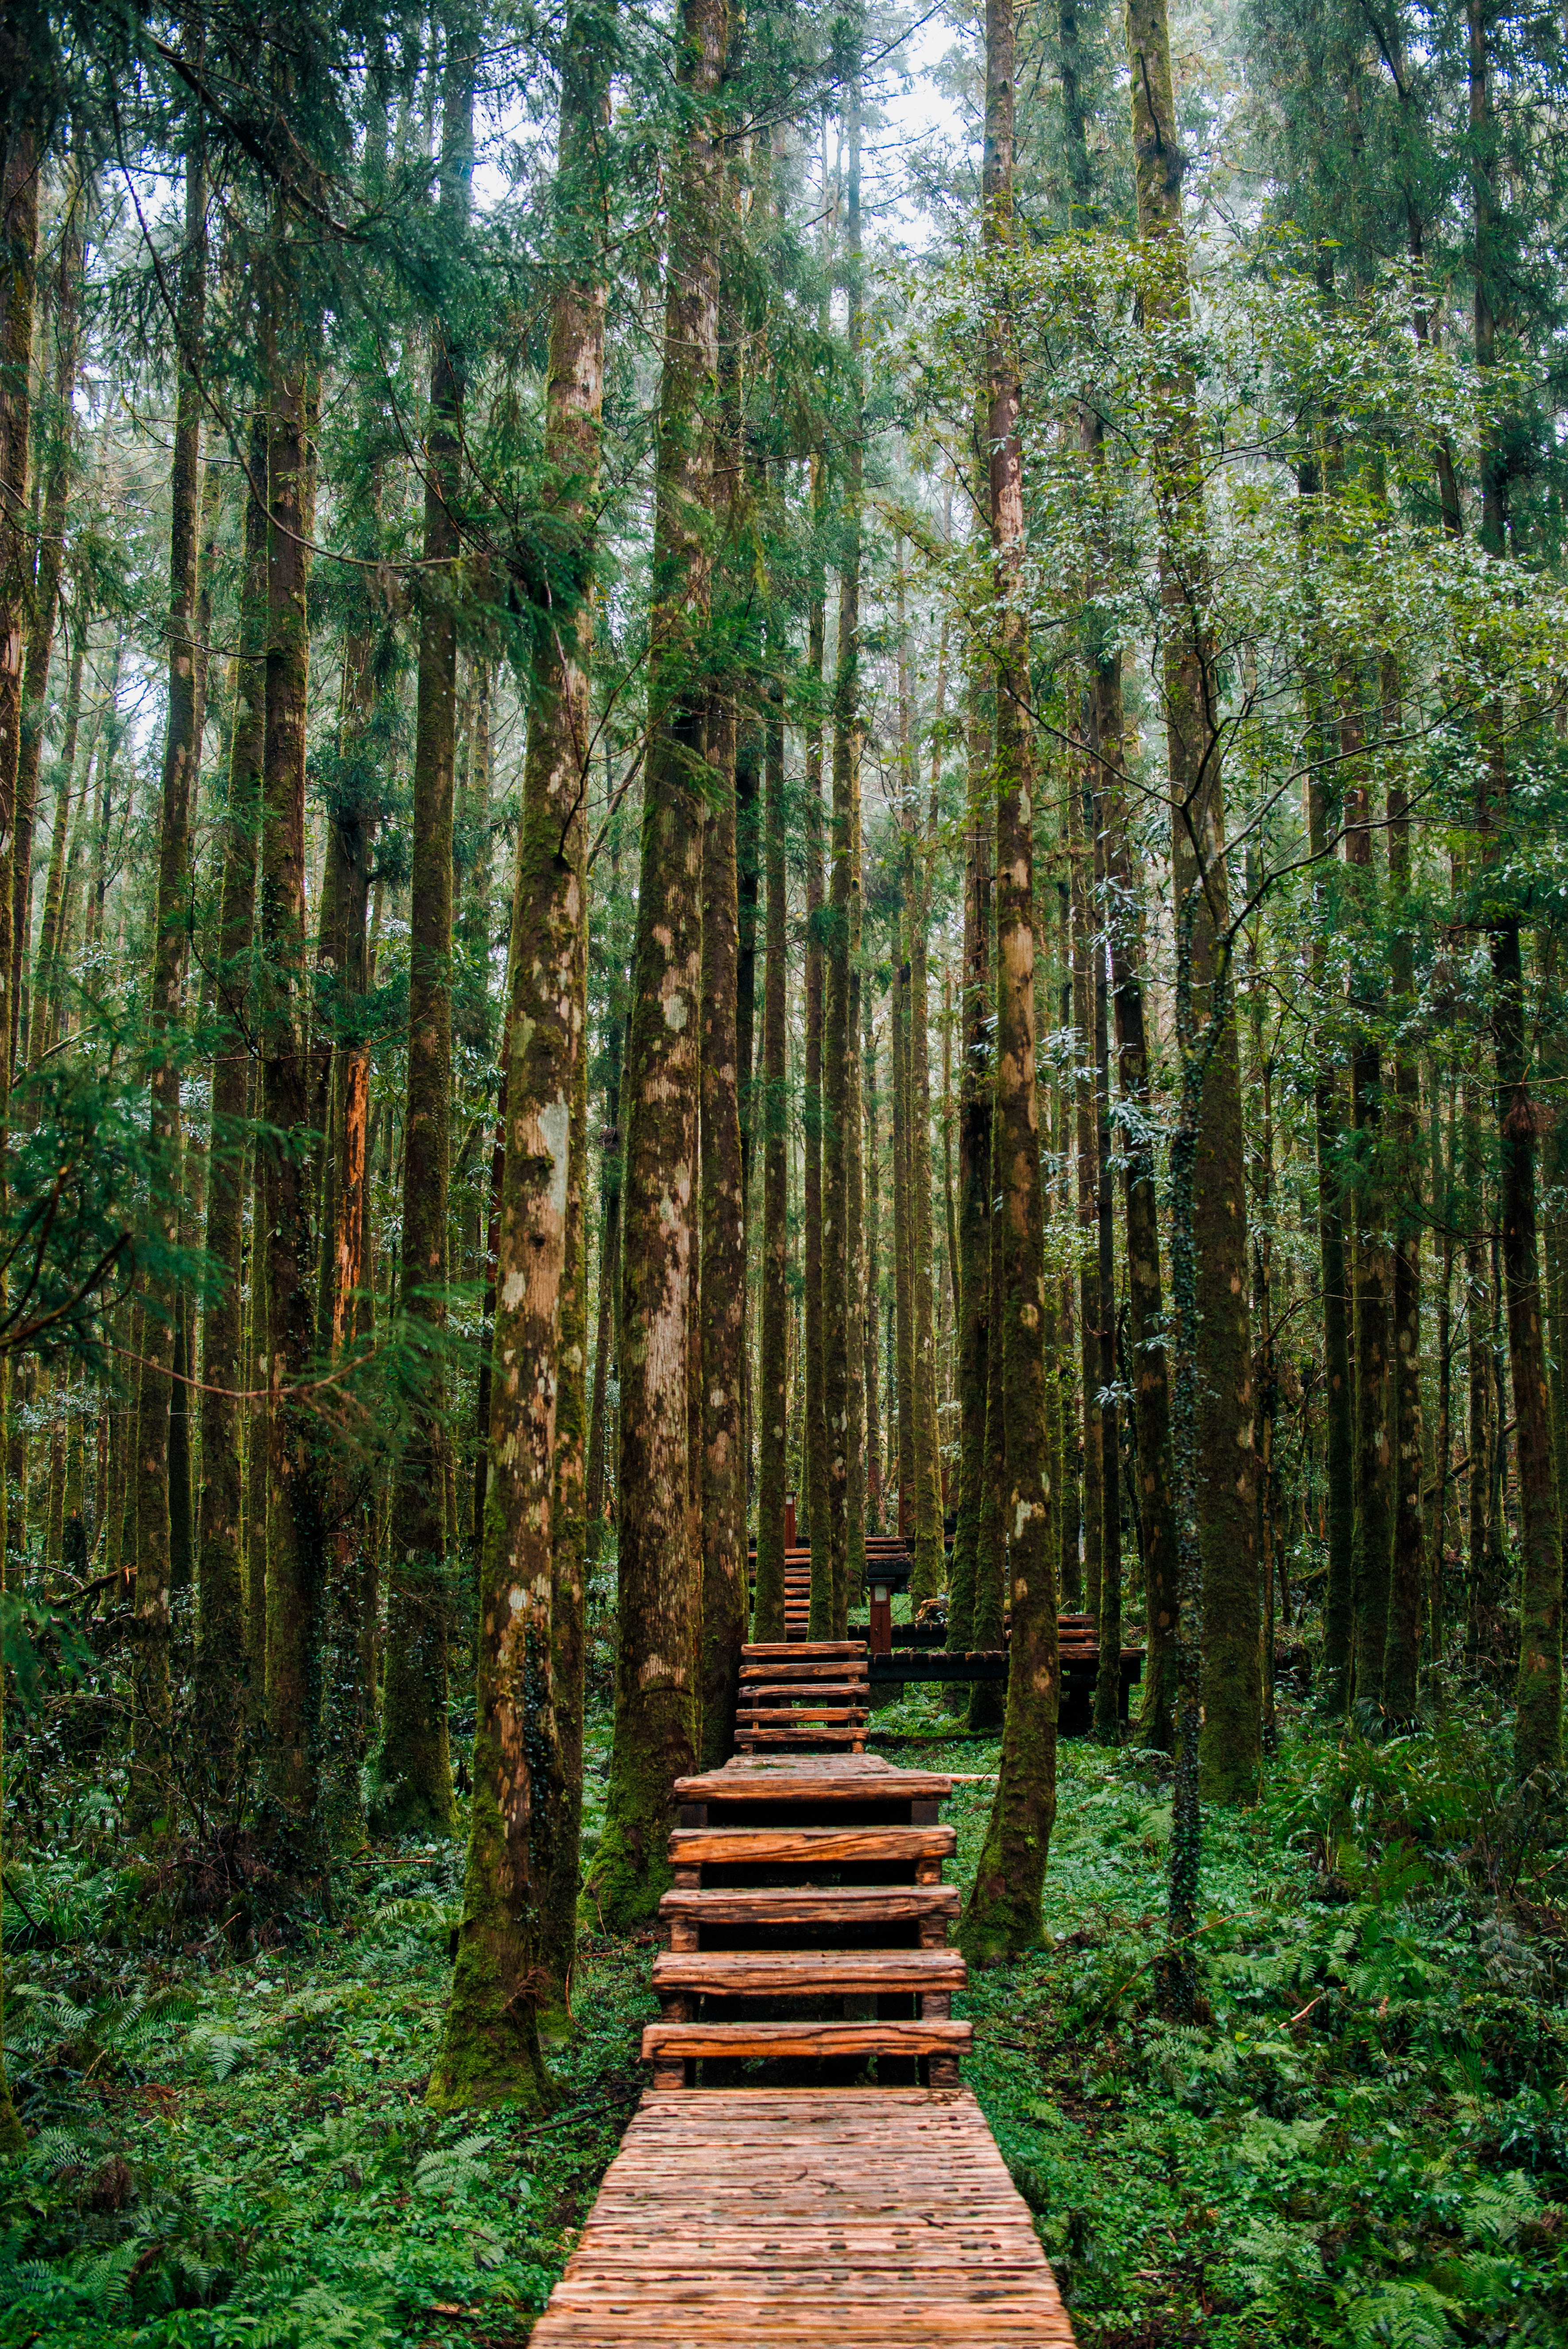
(836, 2200)
(755, 2216)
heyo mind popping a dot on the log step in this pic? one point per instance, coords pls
(780, 1716)
(753, 1692)
(809, 1847)
(824, 1668)
(806, 1781)
(830, 1905)
(799, 1650)
(762, 2040)
(802, 1974)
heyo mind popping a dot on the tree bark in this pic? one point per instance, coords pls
(220, 1592)
(1107, 1677)
(45, 600)
(1230, 1691)
(1002, 1914)
(609, 1281)
(415, 1759)
(814, 1443)
(658, 1617)
(150, 1785)
(772, 1112)
(974, 1170)
(1407, 1584)
(724, 1561)
(1093, 1474)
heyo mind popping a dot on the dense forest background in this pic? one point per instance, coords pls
(790, 756)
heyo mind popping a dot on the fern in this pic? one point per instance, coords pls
(453, 2170)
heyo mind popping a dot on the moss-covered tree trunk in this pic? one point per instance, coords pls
(151, 1788)
(1190, 680)
(522, 1824)
(974, 1168)
(221, 1593)
(723, 1513)
(609, 1283)
(658, 1615)
(771, 1112)
(415, 1761)
(1003, 1915)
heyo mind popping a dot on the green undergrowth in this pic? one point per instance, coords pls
(1364, 2141)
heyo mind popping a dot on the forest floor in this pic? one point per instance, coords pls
(1365, 2142)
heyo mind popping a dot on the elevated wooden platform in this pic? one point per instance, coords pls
(751, 2217)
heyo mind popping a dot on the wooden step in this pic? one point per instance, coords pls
(813, 1668)
(800, 1781)
(802, 1973)
(852, 1737)
(829, 1905)
(811, 1847)
(799, 1650)
(782, 1716)
(753, 2040)
(804, 1692)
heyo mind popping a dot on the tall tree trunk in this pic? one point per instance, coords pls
(772, 1114)
(1374, 1544)
(522, 1858)
(973, 1169)
(902, 1249)
(1407, 1584)
(53, 930)
(609, 1281)
(814, 1444)
(1150, 1389)
(1108, 1678)
(929, 1571)
(1231, 1692)
(658, 1618)
(1338, 1402)
(19, 242)
(150, 1781)
(415, 1759)
(291, 1486)
(220, 1609)
(1094, 1476)
(841, 1043)
(1004, 1910)
(723, 1268)
(59, 419)
(870, 1103)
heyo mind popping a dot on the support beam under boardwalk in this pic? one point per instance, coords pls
(760, 2216)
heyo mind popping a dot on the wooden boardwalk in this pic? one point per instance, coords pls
(854, 2194)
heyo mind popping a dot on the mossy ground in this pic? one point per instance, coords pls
(1365, 2142)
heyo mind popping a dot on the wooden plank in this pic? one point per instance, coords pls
(808, 1846)
(828, 1780)
(758, 1651)
(757, 2041)
(797, 1973)
(853, 1904)
(792, 2217)
(803, 1738)
(780, 1716)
